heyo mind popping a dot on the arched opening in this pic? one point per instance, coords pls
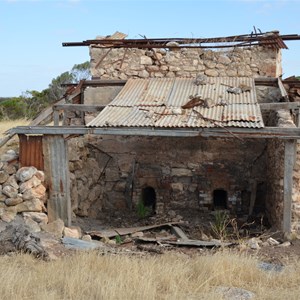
(149, 197)
(220, 199)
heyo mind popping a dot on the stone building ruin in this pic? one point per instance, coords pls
(184, 124)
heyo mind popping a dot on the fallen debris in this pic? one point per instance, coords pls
(77, 244)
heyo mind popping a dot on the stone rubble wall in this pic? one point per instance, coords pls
(124, 63)
(275, 176)
(22, 192)
(183, 171)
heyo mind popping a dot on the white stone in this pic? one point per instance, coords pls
(143, 74)
(145, 60)
(10, 191)
(34, 205)
(12, 182)
(73, 232)
(55, 228)
(40, 218)
(13, 201)
(32, 182)
(211, 73)
(25, 173)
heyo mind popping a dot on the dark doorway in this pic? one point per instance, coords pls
(149, 197)
(220, 199)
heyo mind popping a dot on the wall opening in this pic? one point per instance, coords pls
(149, 197)
(220, 199)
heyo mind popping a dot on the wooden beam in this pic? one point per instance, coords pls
(289, 153)
(56, 117)
(283, 91)
(279, 105)
(229, 132)
(57, 177)
(78, 107)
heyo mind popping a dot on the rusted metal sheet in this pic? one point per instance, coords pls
(159, 102)
(57, 176)
(31, 151)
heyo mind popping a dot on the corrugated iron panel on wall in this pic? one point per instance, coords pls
(31, 151)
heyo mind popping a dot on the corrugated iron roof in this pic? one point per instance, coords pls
(158, 103)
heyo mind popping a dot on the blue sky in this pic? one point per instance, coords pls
(32, 31)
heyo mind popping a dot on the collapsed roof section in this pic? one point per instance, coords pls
(183, 103)
(268, 39)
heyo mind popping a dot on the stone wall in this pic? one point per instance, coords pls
(111, 172)
(253, 61)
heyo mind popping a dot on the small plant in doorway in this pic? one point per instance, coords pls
(142, 210)
(219, 226)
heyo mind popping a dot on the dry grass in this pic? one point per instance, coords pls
(4, 126)
(7, 124)
(171, 276)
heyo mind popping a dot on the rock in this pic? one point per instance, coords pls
(285, 244)
(211, 72)
(40, 175)
(14, 201)
(86, 238)
(223, 59)
(172, 213)
(10, 191)
(145, 60)
(137, 234)
(177, 186)
(272, 242)
(33, 205)
(253, 244)
(2, 197)
(32, 225)
(144, 74)
(39, 217)
(25, 173)
(10, 169)
(270, 267)
(3, 176)
(233, 293)
(37, 192)
(7, 216)
(55, 228)
(180, 172)
(12, 182)
(73, 232)
(9, 156)
(31, 183)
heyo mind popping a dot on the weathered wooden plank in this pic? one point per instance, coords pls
(78, 107)
(179, 233)
(289, 153)
(56, 117)
(266, 132)
(283, 91)
(57, 177)
(279, 105)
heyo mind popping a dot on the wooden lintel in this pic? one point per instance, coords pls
(78, 107)
(229, 132)
(279, 105)
(289, 153)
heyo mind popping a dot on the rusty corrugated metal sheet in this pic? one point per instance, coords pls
(31, 151)
(158, 103)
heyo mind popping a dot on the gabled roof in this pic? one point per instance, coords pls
(183, 103)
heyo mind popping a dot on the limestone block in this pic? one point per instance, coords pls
(120, 186)
(31, 183)
(36, 192)
(73, 232)
(3, 176)
(14, 201)
(177, 187)
(223, 59)
(153, 68)
(2, 197)
(145, 60)
(10, 191)
(33, 226)
(10, 169)
(40, 175)
(7, 216)
(55, 228)
(25, 173)
(179, 172)
(34, 205)
(12, 182)
(38, 217)
(143, 74)
(211, 72)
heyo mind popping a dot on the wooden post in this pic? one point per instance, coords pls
(56, 164)
(56, 117)
(289, 158)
